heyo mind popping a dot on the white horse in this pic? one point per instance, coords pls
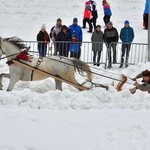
(64, 68)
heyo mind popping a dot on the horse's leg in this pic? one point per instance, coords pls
(58, 85)
(13, 81)
(1, 77)
(72, 79)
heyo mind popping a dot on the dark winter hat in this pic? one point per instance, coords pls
(75, 20)
(64, 27)
(59, 19)
(98, 26)
(126, 22)
(146, 73)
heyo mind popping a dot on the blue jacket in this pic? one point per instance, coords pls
(107, 10)
(76, 32)
(146, 7)
(127, 35)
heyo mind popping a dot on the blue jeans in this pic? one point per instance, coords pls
(42, 48)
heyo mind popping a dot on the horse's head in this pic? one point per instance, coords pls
(11, 46)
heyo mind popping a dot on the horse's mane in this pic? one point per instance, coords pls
(16, 41)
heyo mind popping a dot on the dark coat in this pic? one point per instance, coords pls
(95, 38)
(127, 35)
(63, 47)
(111, 35)
(93, 9)
(43, 37)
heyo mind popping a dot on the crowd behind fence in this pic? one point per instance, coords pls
(138, 52)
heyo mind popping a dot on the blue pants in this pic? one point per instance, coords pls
(42, 48)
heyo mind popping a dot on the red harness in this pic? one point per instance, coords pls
(21, 56)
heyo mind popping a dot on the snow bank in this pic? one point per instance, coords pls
(42, 94)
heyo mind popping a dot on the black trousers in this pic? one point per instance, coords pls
(106, 19)
(93, 21)
(145, 18)
(87, 20)
(113, 47)
(98, 55)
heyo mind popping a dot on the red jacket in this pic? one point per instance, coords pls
(87, 14)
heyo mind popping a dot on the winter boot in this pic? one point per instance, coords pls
(122, 61)
(126, 63)
(109, 65)
(121, 65)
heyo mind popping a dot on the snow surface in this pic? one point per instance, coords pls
(35, 116)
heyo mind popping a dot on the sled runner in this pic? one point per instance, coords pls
(121, 83)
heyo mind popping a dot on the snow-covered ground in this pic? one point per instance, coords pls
(34, 116)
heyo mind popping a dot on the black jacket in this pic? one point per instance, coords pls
(111, 35)
(63, 46)
(42, 37)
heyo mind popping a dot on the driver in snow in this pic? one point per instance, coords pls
(146, 82)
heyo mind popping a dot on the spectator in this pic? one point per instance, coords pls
(111, 39)
(145, 75)
(87, 17)
(76, 38)
(97, 44)
(94, 14)
(145, 15)
(43, 40)
(126, 36)
(53, 34)
(107, 12)
(64, 35)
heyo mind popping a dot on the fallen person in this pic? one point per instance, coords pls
(145, 75)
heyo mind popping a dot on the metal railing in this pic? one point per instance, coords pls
(138, 51)
(86, 50)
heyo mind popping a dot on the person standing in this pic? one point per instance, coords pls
(53, 34)
(63, 47)
(87, 17)
(43, 40)
(111, 38)
(126, 36)
(94, 14)
(107, 12)
(97, 44)
(145, 15)
(76, 38)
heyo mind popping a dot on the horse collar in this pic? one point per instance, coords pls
(39, 62)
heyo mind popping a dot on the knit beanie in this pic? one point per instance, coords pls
(126, 22)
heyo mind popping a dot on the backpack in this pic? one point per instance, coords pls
(51, 31)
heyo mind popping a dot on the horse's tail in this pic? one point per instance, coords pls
(82, 67)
